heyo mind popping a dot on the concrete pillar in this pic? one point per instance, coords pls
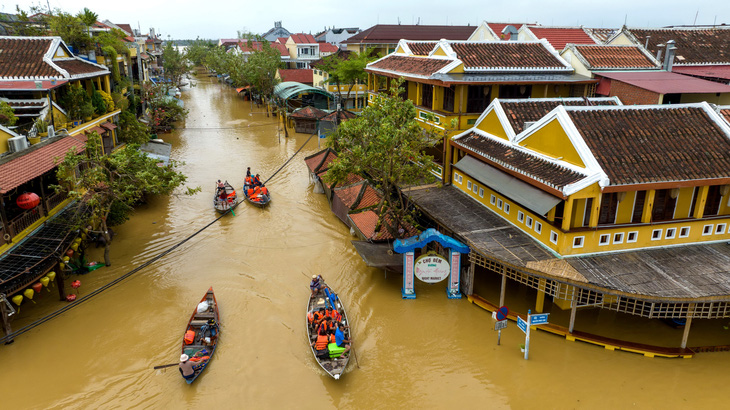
(573, 310)
(567, 214)
(540, 303)
(504, 286)
(685, 336)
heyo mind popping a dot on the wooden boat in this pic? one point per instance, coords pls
(261, 200)
(334, 366)
(197, 325)
(231, 199)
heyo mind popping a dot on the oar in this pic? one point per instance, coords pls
(166, 365)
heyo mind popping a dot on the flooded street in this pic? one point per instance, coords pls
(431, 352)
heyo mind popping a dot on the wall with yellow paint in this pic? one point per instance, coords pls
(625, 209)
(491, 124)
(552, 140)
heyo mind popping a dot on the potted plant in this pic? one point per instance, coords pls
(41, 126)
(522, 347)
(87, 111)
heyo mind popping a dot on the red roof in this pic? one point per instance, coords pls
(558, 37)
(80, 67)
(249, 46)
(315, 162)
(664, 82)
(308, 112)
(366, 221)
(421, 48)
(410, 65)
(282, 40)
(36, 161)
(711, 71)
(505, 54)
(725, 112)
(614, 57)
(694, 46)
(498, 27)
(301, 38)
(30, 85)
(126, 27)
(282, 49)
(23, 57)
(299, 75)
(327, 48)
(392, 33)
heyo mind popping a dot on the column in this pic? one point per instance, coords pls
(452, 291)
(648, 206)
(687, 325)
(540, 303)
(408, 261)
(5, 315)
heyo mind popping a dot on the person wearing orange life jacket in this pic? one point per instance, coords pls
(248, 180)
(264, 190)
(320, 345)
(257, 180)
(326, 326)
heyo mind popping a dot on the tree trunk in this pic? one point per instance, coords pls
(107, 242)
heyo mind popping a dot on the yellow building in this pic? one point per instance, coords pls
(352, 96)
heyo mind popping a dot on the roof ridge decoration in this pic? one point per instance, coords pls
(445, 45)
(51, 52)
(574, 48)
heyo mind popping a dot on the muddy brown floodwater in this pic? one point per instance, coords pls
(430, 352)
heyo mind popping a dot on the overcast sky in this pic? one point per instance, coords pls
(183, 19)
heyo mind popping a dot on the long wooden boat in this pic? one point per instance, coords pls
(260, 200)
(198, 324)
(334, 366)
(231, 199)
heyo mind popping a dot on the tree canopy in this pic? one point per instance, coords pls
(174, 63)
(387, 145)
(346, 68)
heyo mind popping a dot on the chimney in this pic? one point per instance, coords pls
(511, 31)
(659, 51)
(669, 56)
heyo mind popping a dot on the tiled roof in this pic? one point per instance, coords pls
(421, 48)
(649, 145)
(301, 38)
(23, 57)
(340, 54)
(694, 46)
(510, 157)
(282, 49)
(558, 37)
(299, 75)
(327, 48)
(349, 194)
(521, 111)
(392, 33)
(249, 46)
(352, 179)
(126, 27)
(725, 112)
(308, 112)
(615, 57)
(36, 161)
(410, 65)
(79, 67)
(498, 27)
(602, 34)
(505, 54)
(313, 162)
(366, 221)
(282, 40)
(341, 114)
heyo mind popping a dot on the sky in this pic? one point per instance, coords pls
(186, 19)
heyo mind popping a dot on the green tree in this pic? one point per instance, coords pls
(387, 145)
(7, 115)
(120, 180)
(174, 63)
(347, 68)
(87, 17)
(260, 70)
(71, 29)
(198, 50)
(131, 131)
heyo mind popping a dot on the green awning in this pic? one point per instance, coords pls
(521, 192)
(291, 89)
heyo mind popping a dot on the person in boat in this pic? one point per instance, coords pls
(249, 180)
(248, 172)
(257, 180)
(320, 345)
(187, 367)
(264, 190)
(315, 317)
(221, 186)
(317, 284)
(209, 332)
(340, 339)
(326, 325)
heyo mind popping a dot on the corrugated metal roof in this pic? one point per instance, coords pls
(664, 82)
(713, 71)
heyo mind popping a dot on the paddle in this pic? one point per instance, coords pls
(166, 365)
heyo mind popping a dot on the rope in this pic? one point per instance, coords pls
(133, 271)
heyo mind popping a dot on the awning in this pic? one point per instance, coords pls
(98, 130)
(378, 255)
(109, 126)
(238, 90)
(521, 192)
(291, 89)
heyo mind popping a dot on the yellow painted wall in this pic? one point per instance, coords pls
(400, 50)
(552, 140)
(621, 39)
(4, 137)
(576, 63)
(492, 125)
(725, 205)
(439, 52)
(684, 201)
(458, 69)
(438, 98)
(625, 209)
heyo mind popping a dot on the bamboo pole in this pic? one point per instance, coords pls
(685, 336)
(573, 310)
(5, 318)
(504, 286)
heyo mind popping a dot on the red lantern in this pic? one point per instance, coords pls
(70, 297)
(76, 284)
(28, 200)
(37, 287)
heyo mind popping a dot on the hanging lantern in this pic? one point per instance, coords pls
(28, 293)
(61, 265)
(75, 247)
(37, 287)
(28, 200)
(51, 275)
(70, 252)
(17, 299)
(76, 284)
(66, 259)
(70, 297)
(45, 281)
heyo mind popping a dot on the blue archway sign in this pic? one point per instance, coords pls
(408, 247)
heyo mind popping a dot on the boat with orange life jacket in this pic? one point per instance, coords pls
(202, 334)
(333, 363)
(257, 195)
(225, 197)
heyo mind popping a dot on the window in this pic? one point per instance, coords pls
(461, 179)
(481, 192)
(499, 203)
(529, 222)
(520, 216)
(538, 227)
(468, 185)
(656, 234)
(618, 237)
(604, 239)
(706, 230)
(578, 241)
(449, 94)
(720, 229)
(712, 204)
(477, 98)
(456, 177)
(638, 207)
(609, 205)
(554, 237)
(632, 237)
(301, 65)
(663, 205)
(515, 91)
(671, 233)
(492, 199)
(475, 188)
(304, 51)
(426, 95)
(684, 232)
(506, 208)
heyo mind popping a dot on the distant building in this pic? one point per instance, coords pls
(276, 32)
(384, 38)
(336, 35)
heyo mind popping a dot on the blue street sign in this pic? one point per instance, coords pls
(539, 319)
(502, 313)
(522, 324)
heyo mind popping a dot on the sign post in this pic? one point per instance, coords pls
(452, 291)
(408, 292)
(501, 316)
(532, 320)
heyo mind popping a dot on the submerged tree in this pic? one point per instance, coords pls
(387, 145)
(115, 181)
(346, 68)
(174, 63)
(260, 70)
